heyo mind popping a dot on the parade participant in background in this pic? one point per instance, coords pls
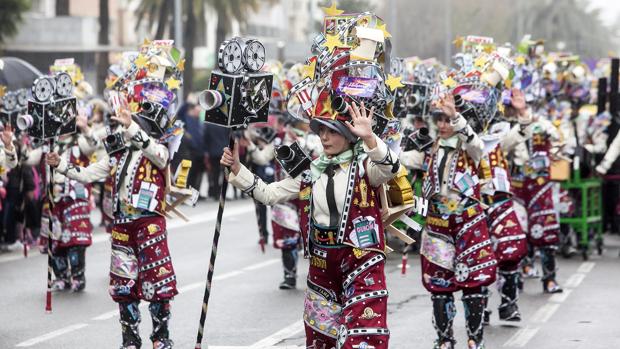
(456, 250)
(141, 267)
(509, 238)
(71, 227)
(13, 200)
(346, 262)
(533, 188)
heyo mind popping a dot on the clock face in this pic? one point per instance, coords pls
(229, 56)
(22, 97)
(43, 89)
(254, 55)
(64, 85)
(9, 101)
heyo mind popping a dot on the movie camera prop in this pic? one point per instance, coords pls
(12, 104)
(239, 93)
(51, 110)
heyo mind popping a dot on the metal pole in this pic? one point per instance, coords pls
(178, 38)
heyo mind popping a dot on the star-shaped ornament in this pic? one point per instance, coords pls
(331, 42)
(332, 10)
(141, 61)
(173, 83)
(393, 82)
(181, 65)
(480, 61)
(2, 91)
(520, 60)
(386, 34)
(449, 82)
(134, 106)
(309, 69)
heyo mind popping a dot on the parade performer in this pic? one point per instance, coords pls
(509, 238)
(141, 267)
(71, 227)
(456, 250)
(340, 219)
(533, 189)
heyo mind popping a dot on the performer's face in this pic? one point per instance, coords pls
(444, 128)
(333, 142)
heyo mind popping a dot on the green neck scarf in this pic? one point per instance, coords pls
(318, 165)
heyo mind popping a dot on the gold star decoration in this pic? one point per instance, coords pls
(146, 42)
(520, 60)
(134, 106)
(181, 65)
(332, 10)
(2, 91)
(173, 83)
(458, 42)
(327, 108)
(141, 61)
(393, 82)
(331, 42)
(110, 82)
(386, 34)
(480, 61)
(308, 70)
(449, 82)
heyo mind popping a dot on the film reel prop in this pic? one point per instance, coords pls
(239, 93)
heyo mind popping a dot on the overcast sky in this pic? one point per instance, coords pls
(611, 9)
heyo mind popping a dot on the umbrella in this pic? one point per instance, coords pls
(15, 73)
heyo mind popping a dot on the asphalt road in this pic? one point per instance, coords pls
(247, 310)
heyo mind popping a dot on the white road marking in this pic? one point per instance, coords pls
(51, 335)
(100, 237)
(106, 316)
(545, 313)
(586, 267)
(560, 297)
(521, 337)
(261, 264)
(189, 287)
(279, 336)
(574, 280)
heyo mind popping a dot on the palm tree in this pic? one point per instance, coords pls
(10, 16)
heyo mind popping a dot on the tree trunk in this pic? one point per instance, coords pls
(164, 18)
(189, 44)
(103, 61)
(62, 7)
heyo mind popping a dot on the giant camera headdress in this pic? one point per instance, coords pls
(350, 63)
(12, 104)
(239, 93)
(52, 107)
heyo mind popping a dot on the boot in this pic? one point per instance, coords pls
(486, 320)
(77, 260)
(130, 322)
(61, 273)
(444, 311)
(160, 314)
(508, 289)
(550, 285)
(289, 262)
(474, 313)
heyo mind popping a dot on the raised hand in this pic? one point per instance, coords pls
(362, 122)
(7, 137)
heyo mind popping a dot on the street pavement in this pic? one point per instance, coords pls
(247, 310)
